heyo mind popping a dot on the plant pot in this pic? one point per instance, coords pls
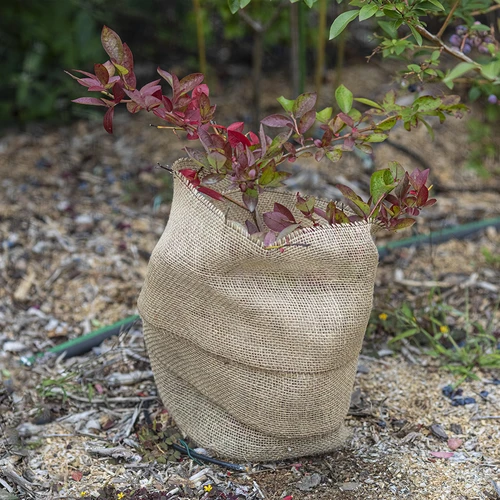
(254, 351)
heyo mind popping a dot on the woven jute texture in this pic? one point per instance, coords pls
(254, 351)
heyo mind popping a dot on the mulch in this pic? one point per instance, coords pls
(79, 215)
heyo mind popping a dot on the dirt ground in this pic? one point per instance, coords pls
(80, 212)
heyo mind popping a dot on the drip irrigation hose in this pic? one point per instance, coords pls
(204, 458)
(85, 343)
(82, 345)
(457, 232)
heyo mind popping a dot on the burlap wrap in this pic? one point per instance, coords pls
(255, 351)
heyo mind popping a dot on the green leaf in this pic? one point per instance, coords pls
(334, 155)
(287, 104)
(344, 98)
(404, 224)
(457, 71)
(368, 102)
(427, 103)
(387, 124)
(403, 335)
(236, 5)
(390, 28)
(341, 22)
(324, 115)
(416, 34)
(381, 183)
(367, 11)
(437, 4)
(397, 170)
(355, 114)
(375, 138)
(491, 70)
(310, 3)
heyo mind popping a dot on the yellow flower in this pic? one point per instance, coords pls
(120, 495)
(444, 329)
(383, 316)
(208, 488)
(83, 494)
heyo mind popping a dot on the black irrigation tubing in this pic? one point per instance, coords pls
(82, 345)
(204, 458)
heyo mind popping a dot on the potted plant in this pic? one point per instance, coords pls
(256, 300)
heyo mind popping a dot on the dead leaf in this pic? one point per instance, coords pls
(442, 454)
(454, 443)
(438, 431)
(77, 475)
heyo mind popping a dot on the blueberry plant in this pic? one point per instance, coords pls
(251, 160)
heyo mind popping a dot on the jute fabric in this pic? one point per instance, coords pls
(254, 351)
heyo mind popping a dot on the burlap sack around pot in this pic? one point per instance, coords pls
(255, 351)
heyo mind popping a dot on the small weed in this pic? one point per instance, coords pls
(492, 259)
(443, 332)
(63, 383)
(156, 440)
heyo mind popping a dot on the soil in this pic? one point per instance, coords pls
(80, 212)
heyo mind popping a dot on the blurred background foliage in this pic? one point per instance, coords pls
(41, 39)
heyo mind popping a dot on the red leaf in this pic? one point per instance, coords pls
(277, 121)
(76, 475)
(102, 73)
(283, 210)
(112, 44)
(166, 75)
(92, 101)
(253, 138)
(269, 239)
(276, 221)
(118, 93)
(236, 138)
(191, 175)
(346, 119)
(200, 89)
(189, 82)
(418, 178)
(423, 194)
(251, 227)
(307, 121)
(167, 103)
(128, 62)
(237, 127)
(304, 103)
(211, 192)
(108, 120)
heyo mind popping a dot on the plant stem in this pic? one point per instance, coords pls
(200, 34)
(235, 202)
(448, 19)
(485, 11)
(320, 47)
(446, 48)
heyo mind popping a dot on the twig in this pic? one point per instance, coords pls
(103, 401)
(16, 478)
(447, 20)
(486, 417)
(485, 11)
(454, 52)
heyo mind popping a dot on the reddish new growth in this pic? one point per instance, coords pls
(250, 160)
